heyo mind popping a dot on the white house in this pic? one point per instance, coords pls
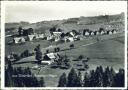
(101, 32)
(72, 34)
(51, 56)
(39, 36)
(31, 37)
(86, 33)
(96, 33)
(22, 40)
(57, 33)
(114, 31)
(70, 39)
(18, 40)
(91, 33)
(109, 32)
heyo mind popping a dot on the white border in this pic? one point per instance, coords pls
(3, 3)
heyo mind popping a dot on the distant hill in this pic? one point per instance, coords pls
(79, 23)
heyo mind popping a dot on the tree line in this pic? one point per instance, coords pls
(94, 78)
(21, 77)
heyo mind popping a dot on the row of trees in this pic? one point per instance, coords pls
(94, 78)
(21, 77)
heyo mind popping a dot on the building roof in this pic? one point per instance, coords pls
(51, 55)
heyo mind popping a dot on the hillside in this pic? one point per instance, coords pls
(92, 23)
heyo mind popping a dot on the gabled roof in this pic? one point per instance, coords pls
(50, 56)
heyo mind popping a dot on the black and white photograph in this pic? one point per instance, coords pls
(64, 44)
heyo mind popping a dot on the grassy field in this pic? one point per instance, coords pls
(107, 52)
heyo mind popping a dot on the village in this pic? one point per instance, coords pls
(56, 35)
(56, 54)
(52, 53)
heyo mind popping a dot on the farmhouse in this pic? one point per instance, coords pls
(109, 32)
(72, 33)
(31, 37)
(51, 56)
(18, 40)
(114, 31)
(69, 39)
(91, 33)
(86, 32)
(101, 32)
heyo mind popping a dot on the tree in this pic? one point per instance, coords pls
(26, 53)
(16, 57)
(79, 80)
(62, 35)
(55, 49)
(38, 54)
(62, 81)
(19, 81)
(112, 77)
(8, 75)
(20, 31)
(86, 80)
(41, 82)
(119, 78)
(59, 30)
(99, 77)
(58, 49)
(80, 57)
(47, 51)
(92, 82)
(107, 79)
(72, 78)
(53, 29)
(71, 46)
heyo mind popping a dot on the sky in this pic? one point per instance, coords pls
(56, 10)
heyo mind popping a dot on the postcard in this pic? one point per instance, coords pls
(63, 45)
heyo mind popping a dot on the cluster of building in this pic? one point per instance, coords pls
(87, 32)
(58, 35)
(26, 35)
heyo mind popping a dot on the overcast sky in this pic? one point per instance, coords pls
(54, 10)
